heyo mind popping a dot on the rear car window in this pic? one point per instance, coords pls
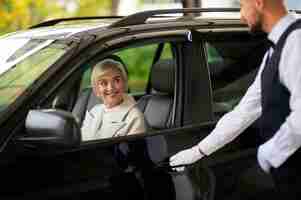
(233, 65)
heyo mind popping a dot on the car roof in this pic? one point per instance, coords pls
(57, 32)
(66, 27)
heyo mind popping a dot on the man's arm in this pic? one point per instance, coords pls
(236, 121)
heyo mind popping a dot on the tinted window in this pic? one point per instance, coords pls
(233, 65)
(15, 80)
(138, 61)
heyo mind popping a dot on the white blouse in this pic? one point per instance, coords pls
(121, 120)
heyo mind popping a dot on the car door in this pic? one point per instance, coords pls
(215, 81)
(33, 171)
(233, 58)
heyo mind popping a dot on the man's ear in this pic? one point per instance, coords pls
(259, 4)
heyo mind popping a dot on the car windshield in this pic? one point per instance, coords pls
(22, 61)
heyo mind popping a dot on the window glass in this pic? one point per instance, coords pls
(34, 43)
(167, 52)
(138, 61)
(86, 79)
(233, 67)
(15, 80)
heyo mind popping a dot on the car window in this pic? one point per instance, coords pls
(15, 80)
(138, 61)
(86, 79)
(233, 67)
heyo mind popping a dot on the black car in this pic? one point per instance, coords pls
(184, 71)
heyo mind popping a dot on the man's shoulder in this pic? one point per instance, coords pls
(296, 31)
(293, 41)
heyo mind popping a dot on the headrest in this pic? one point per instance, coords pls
(163, 76)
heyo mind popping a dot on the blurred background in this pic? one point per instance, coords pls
(20, 14)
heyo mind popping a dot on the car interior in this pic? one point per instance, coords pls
(158, 100)
(161, 98)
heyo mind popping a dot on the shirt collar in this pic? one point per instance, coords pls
(281, 26)
(122, 109)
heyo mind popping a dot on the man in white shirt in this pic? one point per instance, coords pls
(275, 96)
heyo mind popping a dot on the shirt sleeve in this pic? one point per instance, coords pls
(288, 138)
(136, 123)
(91, 120)
(236, 121)
(86, 127)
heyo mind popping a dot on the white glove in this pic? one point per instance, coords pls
(185, 157)
(262, 161)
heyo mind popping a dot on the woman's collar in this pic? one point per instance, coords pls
(124, 107)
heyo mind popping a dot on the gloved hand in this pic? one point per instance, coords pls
(185, 157)
(262, 161)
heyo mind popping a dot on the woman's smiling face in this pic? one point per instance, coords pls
(110, 87)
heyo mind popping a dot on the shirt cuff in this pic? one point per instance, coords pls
(272, 153)
(197, 154)
(205, 147)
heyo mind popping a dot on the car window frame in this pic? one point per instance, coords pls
(74, 66)
(100, 53)
(116, 48)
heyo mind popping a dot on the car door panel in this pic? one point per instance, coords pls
(89, 169)
(63, 174)
(170, 141)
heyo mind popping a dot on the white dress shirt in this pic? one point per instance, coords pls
(288, 138)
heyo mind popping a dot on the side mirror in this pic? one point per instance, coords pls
(51, 128)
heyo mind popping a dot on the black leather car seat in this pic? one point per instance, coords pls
(158, 106)
(158, 109)
(85, 101)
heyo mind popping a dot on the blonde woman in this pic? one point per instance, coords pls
(118, 115)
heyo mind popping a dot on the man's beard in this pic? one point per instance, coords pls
(257, 27)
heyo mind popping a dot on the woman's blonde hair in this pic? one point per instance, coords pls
(108, 64)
